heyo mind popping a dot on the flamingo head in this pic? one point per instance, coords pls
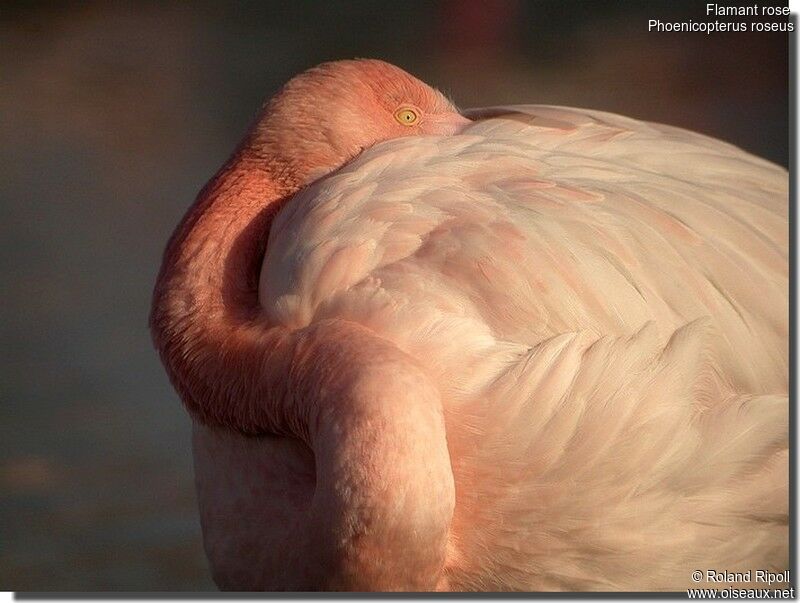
(327, 115)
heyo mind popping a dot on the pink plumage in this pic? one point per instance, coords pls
(542, 350)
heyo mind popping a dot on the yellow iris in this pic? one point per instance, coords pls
(406, 116)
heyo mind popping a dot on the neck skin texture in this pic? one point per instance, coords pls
(384, 495)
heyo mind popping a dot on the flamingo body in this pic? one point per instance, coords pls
(566, 335)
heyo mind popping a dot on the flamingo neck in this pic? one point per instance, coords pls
(205, 315)
(366, 410)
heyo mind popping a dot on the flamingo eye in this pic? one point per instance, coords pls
(406, 116)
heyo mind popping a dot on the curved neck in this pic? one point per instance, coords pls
(320, 384)
(205, 313)
(216, 250)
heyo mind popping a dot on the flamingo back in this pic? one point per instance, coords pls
(603, 304)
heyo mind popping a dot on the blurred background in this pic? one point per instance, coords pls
(113, 115)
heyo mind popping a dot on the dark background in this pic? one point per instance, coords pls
(112, 118)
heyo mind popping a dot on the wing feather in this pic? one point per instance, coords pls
(604, 304)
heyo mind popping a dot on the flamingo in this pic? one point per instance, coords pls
(521, 348)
